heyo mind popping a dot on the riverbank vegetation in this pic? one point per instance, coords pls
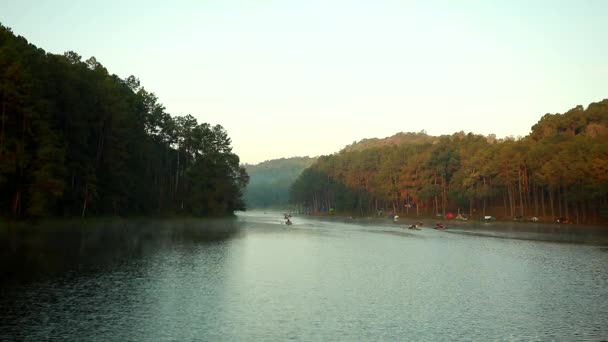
(76, 140)
(560, 170)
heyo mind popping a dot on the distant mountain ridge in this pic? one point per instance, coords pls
(398, 139)
(270, 181)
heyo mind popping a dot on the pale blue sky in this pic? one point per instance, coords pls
(289, 78)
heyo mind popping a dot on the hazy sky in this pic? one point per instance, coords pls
(308, 77)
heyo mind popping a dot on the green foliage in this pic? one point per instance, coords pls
(78, 141)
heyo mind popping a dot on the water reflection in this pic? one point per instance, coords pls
(316, 280)
(111, 280)
(30, 251)
(581, 234)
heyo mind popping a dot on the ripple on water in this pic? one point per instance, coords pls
(322, 282)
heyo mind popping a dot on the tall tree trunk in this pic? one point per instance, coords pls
(470, 207)
(17, 203)
(484, 197)
(160, 195)
(584, 211)
(551, 203)
(542, 201)
(559, 201)
(443, 195)
(535, 195)
(20, 152)
(100, 143)
(528, 190)
(565, 195)
(177, 172)
(511, 199)
(2, 130)
(436, 206)
(434, 190)
(86, 196)
(521, 198)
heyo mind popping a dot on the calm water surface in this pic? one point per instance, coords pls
(256, 279)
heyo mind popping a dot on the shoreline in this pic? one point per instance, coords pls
(430, 221)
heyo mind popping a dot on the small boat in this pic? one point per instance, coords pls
(416, 226)
(440, 226)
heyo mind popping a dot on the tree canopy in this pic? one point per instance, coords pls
(76, 140)
(559, 170)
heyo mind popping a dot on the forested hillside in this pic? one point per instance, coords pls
(270, 181)
(76, 140)
(559, 170)
(395, 140)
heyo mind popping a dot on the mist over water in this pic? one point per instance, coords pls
(254, 278)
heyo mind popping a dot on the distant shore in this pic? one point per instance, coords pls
(429, 220)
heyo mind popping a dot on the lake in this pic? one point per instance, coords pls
(253, 278)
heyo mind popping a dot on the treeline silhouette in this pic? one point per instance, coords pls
(76, 140)
(560, 170)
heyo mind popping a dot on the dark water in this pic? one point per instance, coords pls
(256, 279)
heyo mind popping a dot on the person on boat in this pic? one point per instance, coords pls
(416, 226)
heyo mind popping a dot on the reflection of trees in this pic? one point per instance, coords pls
(31, 252)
